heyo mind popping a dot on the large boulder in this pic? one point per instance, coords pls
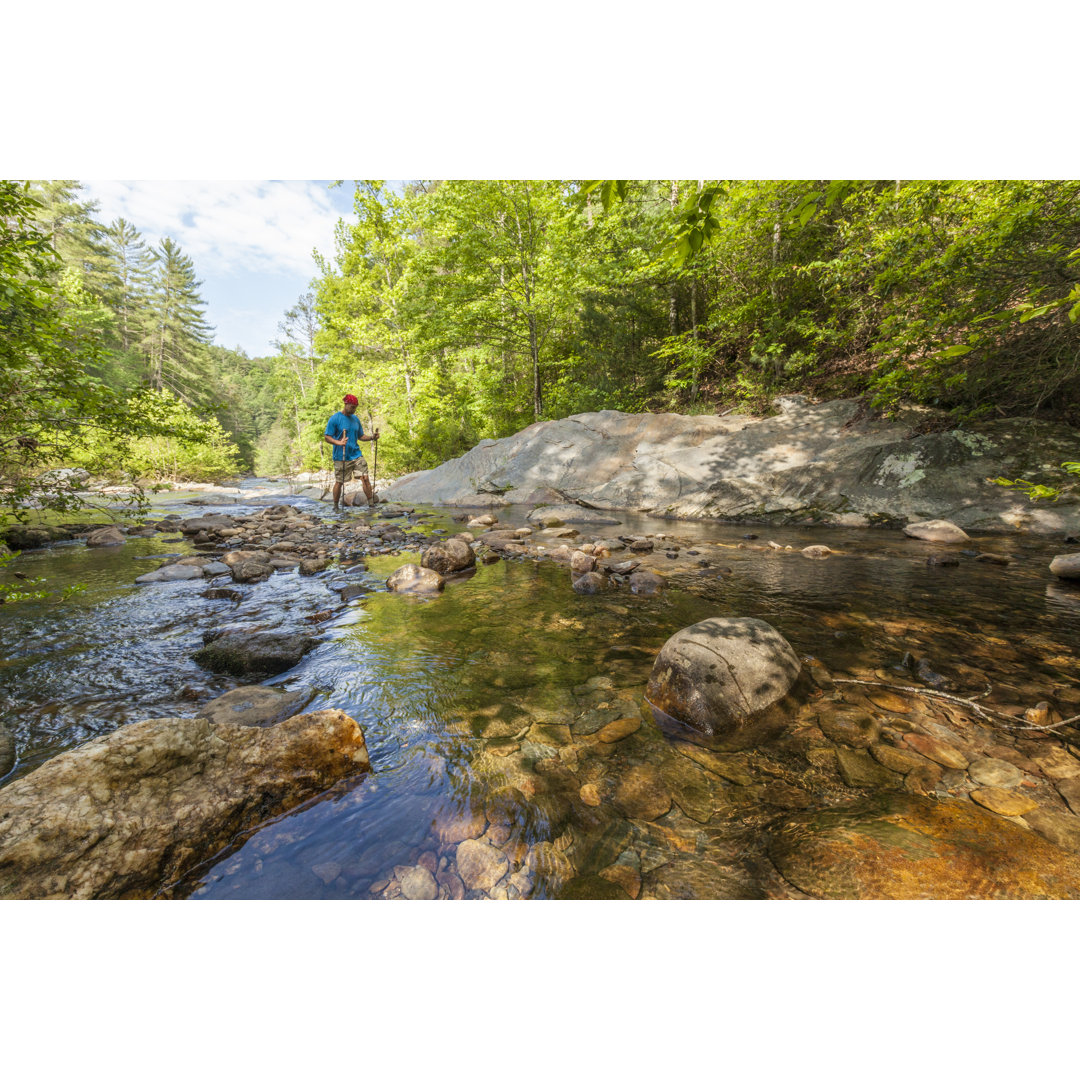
(896, 846)
(251, 571)
(256, 706)
(239, 652)
(448, 557)
(717, 674)
(127, 815)
(827, 462)
(411, 578)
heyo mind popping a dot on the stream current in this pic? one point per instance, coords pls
(487, 708)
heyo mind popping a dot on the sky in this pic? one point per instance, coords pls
(251, 241)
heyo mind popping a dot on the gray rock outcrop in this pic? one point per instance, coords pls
(718, 673)
(817, 463)
(127, 815)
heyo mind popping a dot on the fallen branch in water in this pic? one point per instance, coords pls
(982, 710)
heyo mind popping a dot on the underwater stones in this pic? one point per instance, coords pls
(128, 814)
(1066, 566)
(857, 730)
(238, 652)
(256, 706)
(110, 536)
(222, 594)
(452, 826)
(896, 846)
(173, 572)
(645, 583)
(1006, 803)
(419, 884)
(619, 729)
(719, 673)
(589, 584)
(859, 770)
(936, 750)
(992, 772)
(896, 758)
(641, 793)
(411, 578)
(591, 887)
(942, 560)
(480, 865)
(449, 557)
(1060, 829)
(937, 531)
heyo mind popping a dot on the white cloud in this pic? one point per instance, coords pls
(227, 227)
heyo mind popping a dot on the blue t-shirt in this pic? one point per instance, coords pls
(336, 426)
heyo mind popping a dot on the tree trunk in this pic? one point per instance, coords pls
(673, 314)
(534, 350)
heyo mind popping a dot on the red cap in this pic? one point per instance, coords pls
(350, 399)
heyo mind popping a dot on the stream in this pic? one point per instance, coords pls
(488, 709)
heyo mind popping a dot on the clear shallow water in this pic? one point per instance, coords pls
(485, 701)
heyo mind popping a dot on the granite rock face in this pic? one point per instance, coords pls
(126, 815)
(810, 463)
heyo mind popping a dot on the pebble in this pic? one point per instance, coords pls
(1006, 803)
(589, 794)
(641, 793)
(851, 729)
(619, 729)
(896, 758)
(327, 871)
(883, 699)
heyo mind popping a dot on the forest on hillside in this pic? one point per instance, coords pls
(464, 310)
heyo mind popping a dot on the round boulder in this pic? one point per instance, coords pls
(1066, 566)
(448, 557)
(937, 532)
(718, 673)
(415, 579)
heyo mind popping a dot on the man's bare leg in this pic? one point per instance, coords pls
(337, 495)
(367, 490)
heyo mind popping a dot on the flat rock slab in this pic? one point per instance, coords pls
(896, 846)
(127, 815)
(813, 462)
(170, 573)
(256, 706)
(936, 532)
(240, 653)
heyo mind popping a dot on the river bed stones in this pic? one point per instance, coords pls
(895, 846)
(256, 706)
(480, 865)
(449, 557)
(173, 572)
(936, 750)
(719, 673)
(589, 584)
(937, 531)
(245, 652)
(126, 815)
(1001, 801)
(1066, 567)
(411, 578)
(110, 536)
(992, 772)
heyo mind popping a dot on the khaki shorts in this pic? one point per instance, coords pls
(344, 470)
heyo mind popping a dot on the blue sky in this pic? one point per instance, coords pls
(251, 241)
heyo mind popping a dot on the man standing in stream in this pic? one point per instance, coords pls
(345, 433)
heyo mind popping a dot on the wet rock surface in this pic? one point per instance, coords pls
(125, 816)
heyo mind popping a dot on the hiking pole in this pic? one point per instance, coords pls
(375, 463)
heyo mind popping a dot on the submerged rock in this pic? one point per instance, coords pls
(127, 815)
(256, 706)
(170, 573)
(898, 846)
(717, 674)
